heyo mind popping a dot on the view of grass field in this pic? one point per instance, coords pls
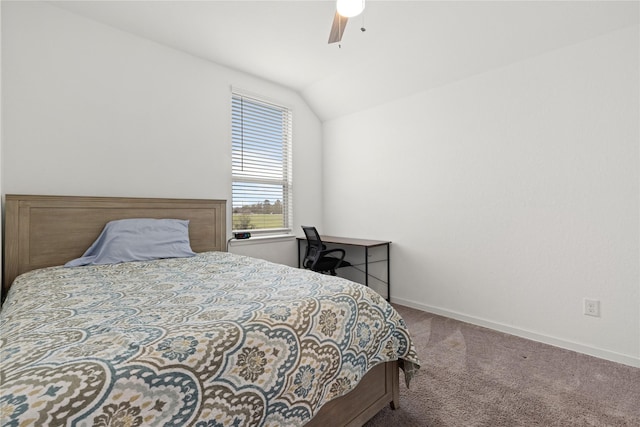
(251, 221)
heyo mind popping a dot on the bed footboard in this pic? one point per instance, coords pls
(379, 387)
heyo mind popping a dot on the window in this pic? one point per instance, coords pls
(261, 165)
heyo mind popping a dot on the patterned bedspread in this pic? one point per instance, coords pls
(214, 340)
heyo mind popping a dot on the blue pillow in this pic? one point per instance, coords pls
(139, 239)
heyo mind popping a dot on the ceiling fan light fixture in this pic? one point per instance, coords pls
(349, 8)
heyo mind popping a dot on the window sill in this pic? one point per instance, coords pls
(253, 240)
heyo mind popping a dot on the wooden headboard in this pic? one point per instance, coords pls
(43, 231)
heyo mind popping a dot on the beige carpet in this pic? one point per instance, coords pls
(473, 376)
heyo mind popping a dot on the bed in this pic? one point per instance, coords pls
(214, 339)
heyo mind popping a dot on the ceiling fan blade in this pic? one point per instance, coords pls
(337, 28)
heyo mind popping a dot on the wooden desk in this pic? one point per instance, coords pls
(361, 243)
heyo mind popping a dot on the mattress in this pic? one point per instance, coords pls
(213, 340)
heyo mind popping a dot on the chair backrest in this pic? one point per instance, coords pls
(314, 246)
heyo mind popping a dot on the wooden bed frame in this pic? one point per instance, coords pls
(44, 231)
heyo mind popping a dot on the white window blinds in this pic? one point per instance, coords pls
(261, 165)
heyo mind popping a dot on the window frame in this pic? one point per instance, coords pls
(286, 181)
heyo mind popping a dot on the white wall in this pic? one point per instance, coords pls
(283, 250)
(509, 196)
(1, 139)
(91, 110)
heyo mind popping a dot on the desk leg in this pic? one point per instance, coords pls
(366, 266)
(299, 241)
(388, 274)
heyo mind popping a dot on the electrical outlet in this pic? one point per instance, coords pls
(591, 307)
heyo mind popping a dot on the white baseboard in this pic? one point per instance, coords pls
(546, 339)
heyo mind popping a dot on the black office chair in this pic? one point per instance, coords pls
(316, 256)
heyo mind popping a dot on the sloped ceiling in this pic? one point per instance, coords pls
(408, 46)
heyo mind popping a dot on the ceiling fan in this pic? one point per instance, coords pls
(345, 9)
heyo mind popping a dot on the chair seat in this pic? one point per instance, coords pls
(327, 263)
